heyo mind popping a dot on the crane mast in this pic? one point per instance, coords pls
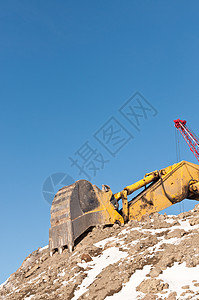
(189, 136)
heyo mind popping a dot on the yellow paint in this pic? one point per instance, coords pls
(172, 187)
(167, 187)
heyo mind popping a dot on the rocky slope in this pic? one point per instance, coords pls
(157, 258)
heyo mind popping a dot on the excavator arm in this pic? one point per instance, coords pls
(81, 205)
(174, 184)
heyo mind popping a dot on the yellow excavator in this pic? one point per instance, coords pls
(79, 206)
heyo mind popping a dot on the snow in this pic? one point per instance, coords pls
(173, 241)
(176, 276)
(170, 220)
(179, 275)
(129, 292)
(29, 297)
(102, 243)
(65, 282)
(109, 256)
(4, 283)
(62, 273)
(45, 247)
(37, 277)
(126, 231)
(185, 225)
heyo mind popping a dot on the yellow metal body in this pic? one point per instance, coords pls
(175, 183)
(148, 178)
(111, 216)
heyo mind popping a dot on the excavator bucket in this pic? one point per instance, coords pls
(77, 207)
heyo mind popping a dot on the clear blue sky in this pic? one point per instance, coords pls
(66, 68)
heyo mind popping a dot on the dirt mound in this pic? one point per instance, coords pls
(157, 258)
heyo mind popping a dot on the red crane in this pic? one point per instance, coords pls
(190, 138)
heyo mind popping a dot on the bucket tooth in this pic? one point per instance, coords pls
(70, 248)
(60, 250)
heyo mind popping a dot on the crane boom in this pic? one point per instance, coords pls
(189, 136)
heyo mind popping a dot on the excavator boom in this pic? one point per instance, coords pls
(81, 205)
(175, 183)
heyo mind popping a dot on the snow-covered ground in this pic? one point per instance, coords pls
(179, 276)
(134, 252)
(109, 256)
(129, 292)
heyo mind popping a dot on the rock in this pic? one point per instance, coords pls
(149, 297)
(194, 221)
(172, 296)
(146, 218)
(45, 278)
(184, 215)
(31, 271)
(196, 208)
(155, 272)
(110, 244)
(185, 287)
(133, 223)
(178, 233)
(183, 294)
(86, 257)
(116, 226)
(196, 284)
(151, 286)
(189, 292)
(78, 260)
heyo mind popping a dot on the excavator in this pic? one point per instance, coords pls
(82, 205)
